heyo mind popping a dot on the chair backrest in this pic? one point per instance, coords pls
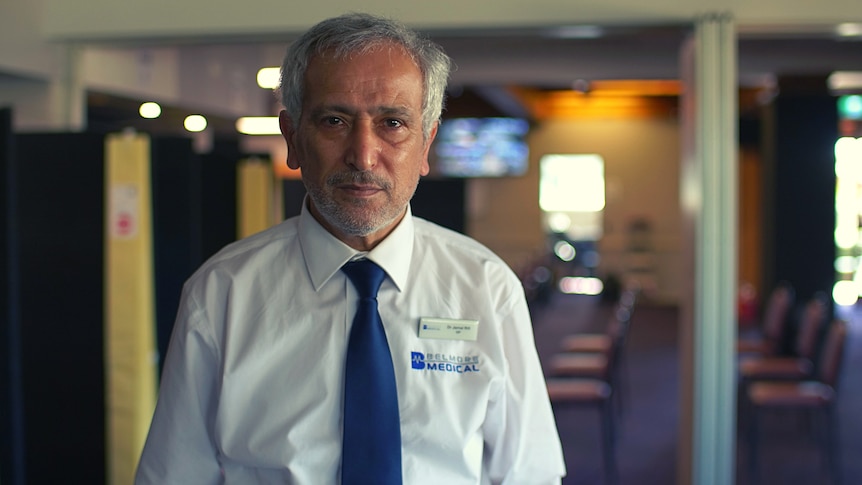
(619, 322)
(626, 304)
(619, 326)
(829, 369)
(812, 320)
(629, 297)
(621, 318)
(777, 313)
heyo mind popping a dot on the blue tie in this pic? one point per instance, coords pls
(371, 446)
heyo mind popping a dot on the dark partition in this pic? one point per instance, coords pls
(176, 227)
(441, 201)
(218, 200)
(11, 398)
(59, 253)
(293, 193)
(801, 247)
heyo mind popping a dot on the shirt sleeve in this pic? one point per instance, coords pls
(180, 448)
(521, 438)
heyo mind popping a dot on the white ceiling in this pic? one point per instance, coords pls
(530, 56)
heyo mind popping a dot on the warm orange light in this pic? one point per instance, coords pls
(604, 99)
(636, 87)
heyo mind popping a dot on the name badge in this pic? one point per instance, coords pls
(448, 329)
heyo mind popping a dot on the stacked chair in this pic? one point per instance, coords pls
(800, 365)
(815, 395)
(586, 372)
(774, 324)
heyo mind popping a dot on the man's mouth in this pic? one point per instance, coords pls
(360, 190)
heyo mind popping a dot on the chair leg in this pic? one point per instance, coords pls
(818, 425)
(831, 450)
(609, 441)
(753, 431)
(743, 405)
(747, 428)
(620, 377)
(742, 411)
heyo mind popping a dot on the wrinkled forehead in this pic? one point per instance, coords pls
(337, 53)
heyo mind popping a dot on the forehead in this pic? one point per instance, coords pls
(346, 52)
(385, 67)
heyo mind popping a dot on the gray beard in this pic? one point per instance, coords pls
(347, 221)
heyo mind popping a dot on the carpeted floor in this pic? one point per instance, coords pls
(648, 427)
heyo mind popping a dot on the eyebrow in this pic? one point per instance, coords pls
(401, 111)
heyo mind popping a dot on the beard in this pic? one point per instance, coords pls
(356, 216)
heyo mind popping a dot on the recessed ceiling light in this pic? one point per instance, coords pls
(258, 125)
(849, 29)
(843, 81)
(576, 32)
(268, 77)
(150, 110)
(195, 123)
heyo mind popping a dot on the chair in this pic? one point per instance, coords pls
(774, 324)
(602, 342)
(816, 397)
(565, 391)
(590, 378)
(801, 364)
(600, 356)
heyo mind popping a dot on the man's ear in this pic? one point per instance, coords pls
(288, 131)
(425, 169)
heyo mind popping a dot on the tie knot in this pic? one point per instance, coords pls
(366, 277)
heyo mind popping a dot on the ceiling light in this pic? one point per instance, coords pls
(843, 81)
(576, 32)
(150, 110)
(195, 123)
(849, 29)
(258, 125)
(268, 77)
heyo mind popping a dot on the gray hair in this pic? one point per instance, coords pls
(360, 33)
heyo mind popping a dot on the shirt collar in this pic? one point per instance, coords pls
(325, 254)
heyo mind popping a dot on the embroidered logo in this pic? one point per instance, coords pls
(456, 364)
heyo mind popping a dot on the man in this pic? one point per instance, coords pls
(253, 389)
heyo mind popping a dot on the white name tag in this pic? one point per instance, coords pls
(448, 329)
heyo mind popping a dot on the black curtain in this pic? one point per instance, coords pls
(59, 251)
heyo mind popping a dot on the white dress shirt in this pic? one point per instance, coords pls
(252, 385)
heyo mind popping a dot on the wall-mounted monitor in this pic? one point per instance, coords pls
(481, 147)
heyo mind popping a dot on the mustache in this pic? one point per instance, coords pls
(358, 178)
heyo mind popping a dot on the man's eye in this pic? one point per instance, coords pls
(333, 121)
(393, 123)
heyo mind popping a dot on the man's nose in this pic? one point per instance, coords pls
(364, 147)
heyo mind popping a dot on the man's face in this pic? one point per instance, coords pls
(359, 142)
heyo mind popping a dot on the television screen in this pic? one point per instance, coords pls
(481, 147)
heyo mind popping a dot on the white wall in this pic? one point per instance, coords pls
(148, 73)
(35, 96)
(642, 181)
(23, 48)
(175, 75)
(30, 67)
